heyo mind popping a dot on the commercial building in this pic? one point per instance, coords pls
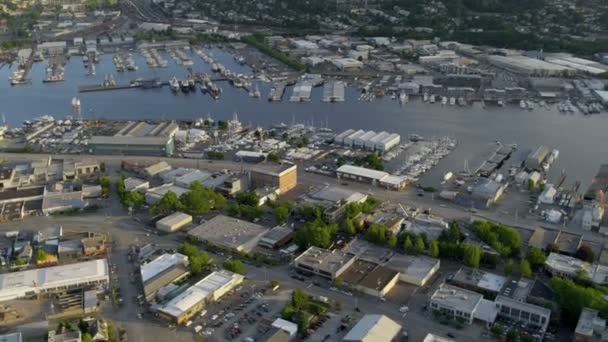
(388, 143)
(154, 195)
(567, 266)
(349, 140)
(58, 278)
(414, 270)
(284, 177)
(334, 194)
(277, 237)
(229, 233)
(324, 263)
(374, 177)
(173, 222)
(373, 328)
(463, 304)
(529, 66)
(339, 139)
(136, 184)
(156, 169)
(162, 271)
(137, 138)
(523, 312)
(590, 327)
(346, 64)
(566, 243)
(208, 290)
(370, 278)
(186, 180)
(486, 283)
(287, 326)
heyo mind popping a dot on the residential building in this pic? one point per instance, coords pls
(373, 328)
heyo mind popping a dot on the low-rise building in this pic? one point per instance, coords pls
(160, 272)
(370, 278)
(51, 279)
(414, 270)
(374, 177)
(173, 222)
(136, 184)
(284, 177)
(567, 266)
(287, 326)
(486, 283)
(94, 245)
(327, 264)
(155, 169)
(462, 304)
(590, 327)
(373, 328)
(277, 237)
(208, 290)
(229, 233)
(523, 312)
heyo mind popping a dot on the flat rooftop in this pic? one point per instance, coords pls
(161, 264)
(199, 292)
(479, 278)
(413, 266)
(336, 194)
(362, 172)
(456, 297)
(587, 321)
(228, 231)
(174, 218)
(373, 328)
(323, 259)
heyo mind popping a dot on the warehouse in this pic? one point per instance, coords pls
(136, 184)
(536, 158)
(137, 138)
(362, 140)
(579, 64)
(155, 169)
(154, 195)
(530, 66)
(350, 140)
(345, 64)
(370, 278)
(327, 264)
(371, 143)
(51, 279)
(373, 328)
(374, 177)
(284, 177)
(339, 139)
(186, 180)
(163, 271)
(277, 237)
(414, 270)
(193, 299)
(173, 222)
(229, 233)
(388, 142)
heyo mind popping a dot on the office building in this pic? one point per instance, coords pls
(324, 263)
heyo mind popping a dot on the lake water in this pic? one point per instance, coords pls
(582, 140)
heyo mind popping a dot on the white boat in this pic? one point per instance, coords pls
(501, 103)
(522, 104)
(555, 154)
(448, 176)
(432, 99)
(174, 84)
(452, 101)
(444, 101)
(425, 97)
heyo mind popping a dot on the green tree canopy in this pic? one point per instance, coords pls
(536, 257)
(434, 249)
(168, 204)
(525, 269)
(316, 233)
(472, 256)
(235, 266)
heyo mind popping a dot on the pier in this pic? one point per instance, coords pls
(277, 92)
(333, 92)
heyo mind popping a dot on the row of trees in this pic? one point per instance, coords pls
(257, 40)
(505, 240)
(235, 266)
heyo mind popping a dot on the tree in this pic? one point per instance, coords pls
(87, 337)
(391, 241)
(434, 249)
(585, 253)
(582, 274)
(419, 247)
(505, 240)
(299, 299)
(377, 234)
(248, 198)
(281, 213)
(572, 298)
(408, 245)
(273, 157)
(531, 185)
(200, 263)
(472, 256)
(525, 269)
(349, 227)
(133, 200)
(168, 204)
(535, 257)
(316, 233)
(235, 266)
(105, 183)
(200, 200)
(234, 210)
(509, 267)
(40, 255)
(19, 261)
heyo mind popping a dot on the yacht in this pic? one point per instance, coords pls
(452, 101)
(522, 104)
(444, 101)
(174, 84)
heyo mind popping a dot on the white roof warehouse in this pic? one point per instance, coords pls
(31, 282)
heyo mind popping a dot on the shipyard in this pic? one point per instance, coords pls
(317, 171)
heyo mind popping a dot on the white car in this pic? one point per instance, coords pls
(189, 323)
(404, 309)
(214, 317)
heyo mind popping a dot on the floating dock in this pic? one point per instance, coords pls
(277, 92)
(301, 92)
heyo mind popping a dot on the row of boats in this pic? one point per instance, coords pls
(181, 57)
(124, 62)
(429, 153)
(154, 59)
(187, 85)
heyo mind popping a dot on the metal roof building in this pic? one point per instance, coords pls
(173, 222)
(349, 140)
(207, 290)
(229, 232)
(30, 282)
(362, 140)
(373, 328)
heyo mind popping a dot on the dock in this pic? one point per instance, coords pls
(301, 92)
(277, 92)
(333, 92)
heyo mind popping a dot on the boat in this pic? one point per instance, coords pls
(522, 104)
(147, 83)
(174, 84)
(452, 101)
(203, 88)
(425, 97)
(545, 166)
(214, 91)
(447, 176)
(191, 84)
(256, 92)
(501, 103)
(444, 101)
(432, 98)
(462, 102)
(555, 154)
(530, 105)
(183, 85)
